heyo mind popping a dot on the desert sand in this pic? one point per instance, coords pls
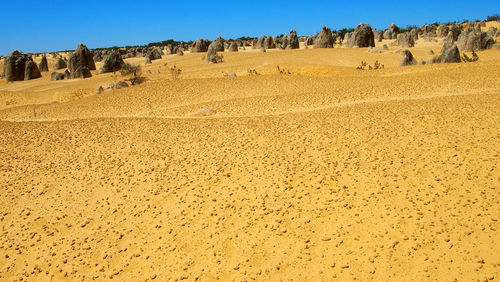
(329, 172)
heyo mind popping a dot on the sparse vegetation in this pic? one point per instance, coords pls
(283, 71)
(175, 72)
(133, 70)
(494, 17)
(467, 59)
(253, 72)
(376, 66)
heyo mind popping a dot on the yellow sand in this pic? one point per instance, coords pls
(329, 172)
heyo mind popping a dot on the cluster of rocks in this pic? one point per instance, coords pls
(291, 41)
(473, 40)
(449, 54)
(263, 43)
(79, 64)
(19, 66)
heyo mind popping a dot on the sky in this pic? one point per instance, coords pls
(54, 25)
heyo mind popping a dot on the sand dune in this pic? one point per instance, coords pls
(329, 172)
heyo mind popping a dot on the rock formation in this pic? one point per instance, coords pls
(43, 66)
(405, 40)
(391, 32)
(449, 54)
(233, 47)
(472, 40)
(60, 64)
(293, 40)
(112, 62)
(200, 45)
(324, 39)
(212, 56)
(19, 66)
(81, 62)
(362, 36)
(407, 59)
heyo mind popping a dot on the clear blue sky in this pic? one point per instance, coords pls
(44, 26)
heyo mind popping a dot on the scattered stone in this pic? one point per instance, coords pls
(231, 74)
(431, 52)
(385, 47)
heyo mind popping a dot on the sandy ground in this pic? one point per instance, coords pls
(329, 172)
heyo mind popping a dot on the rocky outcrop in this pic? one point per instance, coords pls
(112, 62)
(362, 36)
(43, 66)
(19, 66)
(324, 39)
(470, 40)
(407, 59)
(449, 54)
(200, 45)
